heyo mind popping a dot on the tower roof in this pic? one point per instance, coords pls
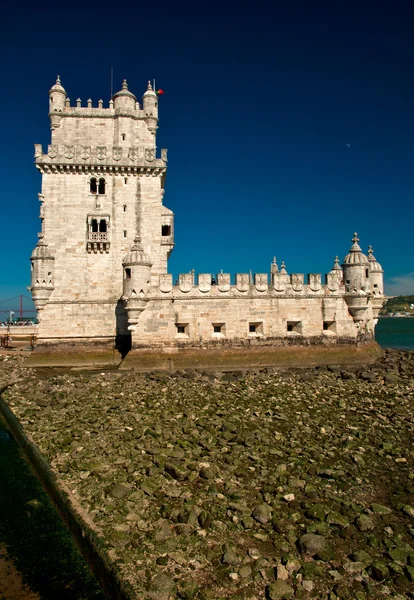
(137, 256)
(58, 87)
(373, 264)
(124, 91)
(355, 256)
(150, 91)
(336, 265)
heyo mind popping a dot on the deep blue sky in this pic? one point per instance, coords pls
(261, 102)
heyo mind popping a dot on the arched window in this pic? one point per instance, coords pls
(102, 225)
(94, 225)
(101, 186)
(93, 185)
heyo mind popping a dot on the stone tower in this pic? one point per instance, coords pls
(101, 208)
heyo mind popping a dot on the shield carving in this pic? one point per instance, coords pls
(315, 282)
(100, 152)
(85, 152)
(297, 282)
(185, 282)
(242, 282)
(279, 283)
(204, 282)
(53, 151)
(69, 152)
(223, 282)
(149, 154)
(117, 153)
(165, 283)
(133, 154)
(260, 282)
(333, 283)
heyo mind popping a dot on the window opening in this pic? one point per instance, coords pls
(294, 326)
(125, 233)
(182, 328)
(126, 180)
(101, 186)
(94, 225)
(366, 273)
(102, 225)
(165, 230)
(252, 328)
(329, 326)
(127, 273)
(125, 207)
(93, 186)
(123, 137)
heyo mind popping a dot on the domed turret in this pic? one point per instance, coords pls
(150, 108)
(137, 277)
(376, 276)
(124, 100)
(357, 283)
(57, 97)
(356, 269)
(42, 264)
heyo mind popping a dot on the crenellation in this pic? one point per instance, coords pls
(99, 270)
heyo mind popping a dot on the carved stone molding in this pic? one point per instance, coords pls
(204, 282)
(242, 282)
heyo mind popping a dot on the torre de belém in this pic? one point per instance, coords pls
(99, 271)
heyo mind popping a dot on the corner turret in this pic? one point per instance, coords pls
(57, 97)
(357, 283)
(42, 265)
(136, 284)
(150, 108)
(376, 276)
(124, 100)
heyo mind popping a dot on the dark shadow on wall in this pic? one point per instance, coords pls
(123, 340)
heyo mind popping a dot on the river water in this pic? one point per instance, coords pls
(38, 557)
(395, 332)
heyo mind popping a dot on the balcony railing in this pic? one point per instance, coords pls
(98, 236)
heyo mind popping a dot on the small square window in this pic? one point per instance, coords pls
(165, 230)
(329, 326)
(219, 329)
(182, 329)
(294, 326)
(256, 328)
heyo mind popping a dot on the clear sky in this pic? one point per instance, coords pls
(289, 125)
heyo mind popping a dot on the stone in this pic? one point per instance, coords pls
(365, 523)
(279, 591)
(262, 513)
(119, 491)
(311, 543)
(161, 587)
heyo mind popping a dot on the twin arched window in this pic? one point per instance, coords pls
(100, 226)
(97, 186)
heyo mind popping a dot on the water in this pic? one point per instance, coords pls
(34, 539)
(395, 332)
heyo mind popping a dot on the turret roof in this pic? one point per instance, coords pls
(58, 87)
(124, 92)
(373, 264)
(355, 256)
(137, 256)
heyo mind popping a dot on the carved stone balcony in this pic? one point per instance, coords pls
(98, 242)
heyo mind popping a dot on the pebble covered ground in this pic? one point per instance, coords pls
(265, 484)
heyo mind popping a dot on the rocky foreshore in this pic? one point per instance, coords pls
(244, 485)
